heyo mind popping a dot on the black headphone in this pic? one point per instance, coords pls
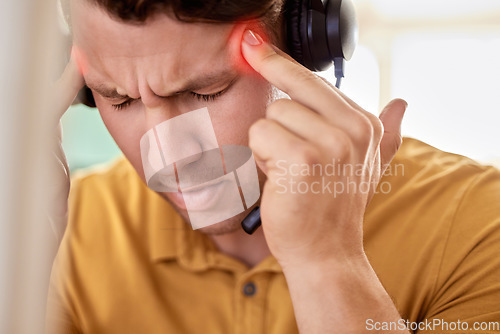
(319, 33)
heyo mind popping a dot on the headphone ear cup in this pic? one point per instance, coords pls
(342, 28)
(318, 33)
(306, 33)
(293, 19)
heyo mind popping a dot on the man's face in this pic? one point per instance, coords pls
(142, 75)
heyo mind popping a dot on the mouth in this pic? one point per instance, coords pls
(199, 198)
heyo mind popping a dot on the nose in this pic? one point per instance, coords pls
(200, 168)
(184, 139)
(158, 110)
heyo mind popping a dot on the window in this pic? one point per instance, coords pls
(452, 82)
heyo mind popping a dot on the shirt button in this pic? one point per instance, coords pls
(249, 289)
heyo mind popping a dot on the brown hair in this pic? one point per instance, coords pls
(139, 11)
(267, 13)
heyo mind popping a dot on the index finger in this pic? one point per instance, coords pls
(298, 82)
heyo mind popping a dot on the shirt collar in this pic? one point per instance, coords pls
(172, 239)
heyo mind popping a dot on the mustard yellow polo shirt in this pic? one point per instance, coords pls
(129, 264)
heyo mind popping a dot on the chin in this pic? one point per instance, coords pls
(230, 225)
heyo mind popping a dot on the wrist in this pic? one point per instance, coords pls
(341, 292)
(338, 266)
(346, 255)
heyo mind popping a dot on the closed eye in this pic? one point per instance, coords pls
(212, 97)
(201, 97)
(122, 105)
(208, 97)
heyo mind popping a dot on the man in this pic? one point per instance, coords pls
(344, 260)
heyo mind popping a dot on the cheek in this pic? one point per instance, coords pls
(244, 107)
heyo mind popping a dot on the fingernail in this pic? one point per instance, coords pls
(252, 38)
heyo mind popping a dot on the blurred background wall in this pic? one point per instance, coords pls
(29, 64)
(86, 140)
(442, 56)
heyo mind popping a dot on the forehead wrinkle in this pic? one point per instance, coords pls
(206, 80)
(190, 85)
(161, 74)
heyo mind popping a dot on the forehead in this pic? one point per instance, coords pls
(120, 52)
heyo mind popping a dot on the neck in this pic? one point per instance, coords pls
(250, 249)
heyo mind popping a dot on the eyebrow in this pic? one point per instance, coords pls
(189, 86)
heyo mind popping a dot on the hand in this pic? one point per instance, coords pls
(303, 219)
(64, 92)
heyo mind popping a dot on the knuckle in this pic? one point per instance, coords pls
(255, 131)
(340, 144)
(363, 131)
(378, 129)
(306, 154)
(371, 117)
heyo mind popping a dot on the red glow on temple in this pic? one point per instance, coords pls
(80, 59)
(234, 44)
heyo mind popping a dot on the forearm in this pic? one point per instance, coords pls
(338, 297)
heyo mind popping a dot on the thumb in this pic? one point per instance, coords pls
(391, 117)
